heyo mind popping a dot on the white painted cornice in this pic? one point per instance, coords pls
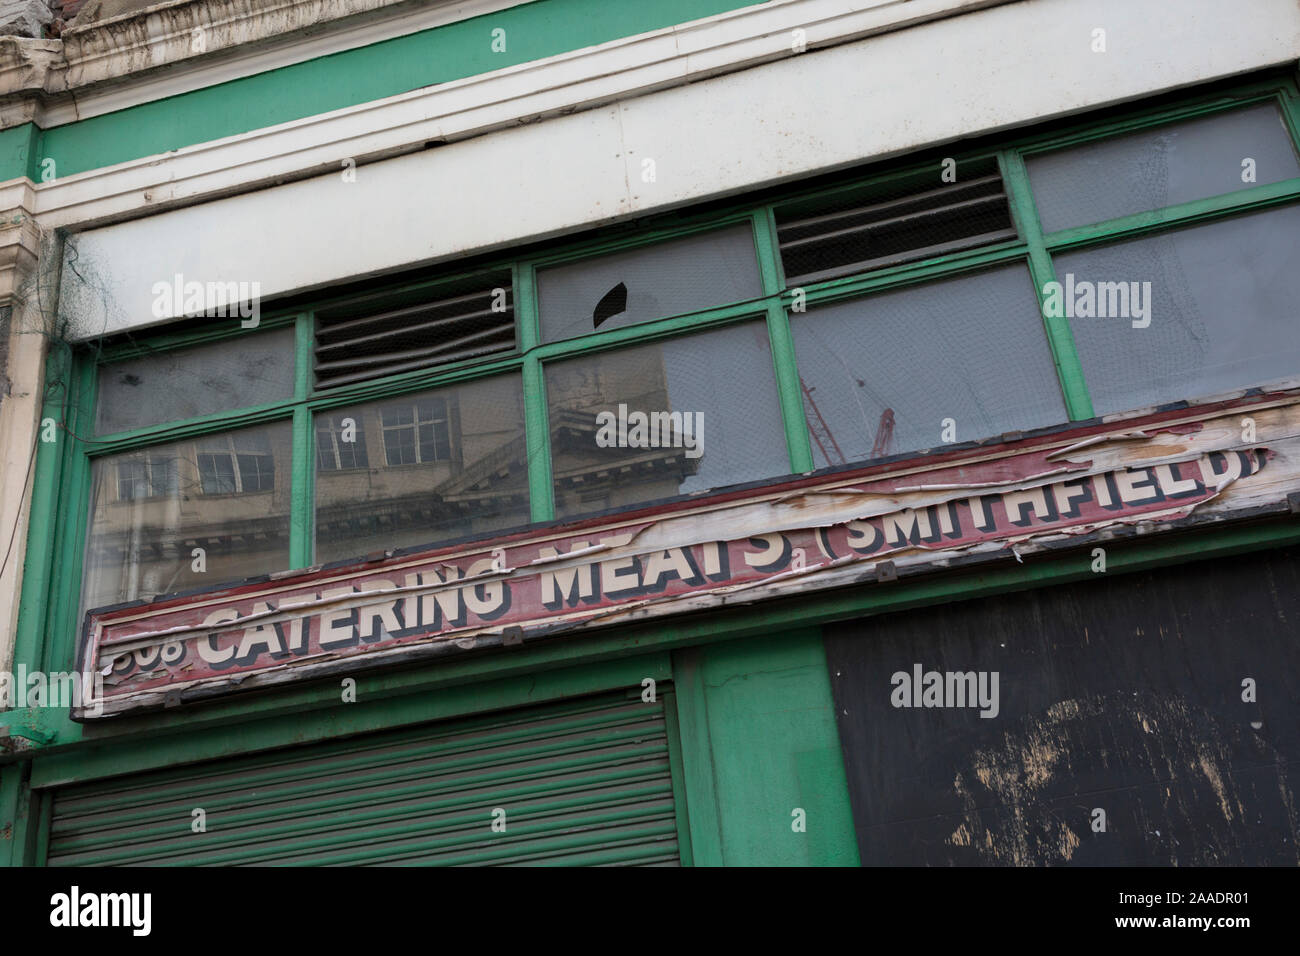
(461, 109)
(19, 250)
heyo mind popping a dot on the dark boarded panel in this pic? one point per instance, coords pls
(1121, 693)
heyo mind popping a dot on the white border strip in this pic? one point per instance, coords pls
(470, 107)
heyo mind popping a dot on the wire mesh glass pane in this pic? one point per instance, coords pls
(664, 419)
(1187, 313)
(421, 469)
(647, 283)
(1162, 167)
(187, 515)
(252, 369)
(961, 359)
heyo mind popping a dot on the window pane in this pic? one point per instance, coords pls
(251, 369)
(471, 479)
(131, 479)
(163, 476)
(216, 474)
(399, 445)
(256, 472)
(339, 445)
(716, 420)
(1221, 309)
(141, 547)
(1160, 167)
(881, 374)
(651, 282)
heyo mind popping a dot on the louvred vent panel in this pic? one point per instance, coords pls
(913, 218)
(386, 333)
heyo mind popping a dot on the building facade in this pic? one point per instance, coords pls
(699, 432)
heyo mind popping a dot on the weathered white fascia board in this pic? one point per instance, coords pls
(797, 115)
(476, 105)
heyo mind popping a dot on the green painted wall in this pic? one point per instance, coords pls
(758, 741)
(18, 146)
(533, 31)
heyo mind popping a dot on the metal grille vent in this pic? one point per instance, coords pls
(843, 234)
(386, 333)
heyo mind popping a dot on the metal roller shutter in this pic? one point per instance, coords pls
(582, 782)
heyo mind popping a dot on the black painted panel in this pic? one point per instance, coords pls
(1122, 693)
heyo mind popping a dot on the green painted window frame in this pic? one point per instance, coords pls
(50, 604)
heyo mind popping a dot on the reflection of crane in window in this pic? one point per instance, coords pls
(821, 432)
(825, 439)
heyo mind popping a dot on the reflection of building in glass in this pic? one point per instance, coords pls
(226, 495)
(589, 477)
(420, 469)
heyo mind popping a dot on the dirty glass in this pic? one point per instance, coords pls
(1159, 167)
(664, 419)
(238, 372)
(649, 282)
(961, 359)
(421, 469)
(1210, 308)
(187, 515)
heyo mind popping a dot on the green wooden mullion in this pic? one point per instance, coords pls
(302, 478)
(302, 496)
(677, 775)
(1184, 214)
(304, 352)
(537, 441)
(1289, 100)
(789, 389)
(784, 366)
(768, 249)
(697, 759)
(63, 628)
(40, 590)
(1069, 370)
(19, 815)
(768, 213)
(527, 319)
(13, 792)
(537, 419)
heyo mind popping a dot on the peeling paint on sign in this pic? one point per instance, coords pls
(809, 535)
